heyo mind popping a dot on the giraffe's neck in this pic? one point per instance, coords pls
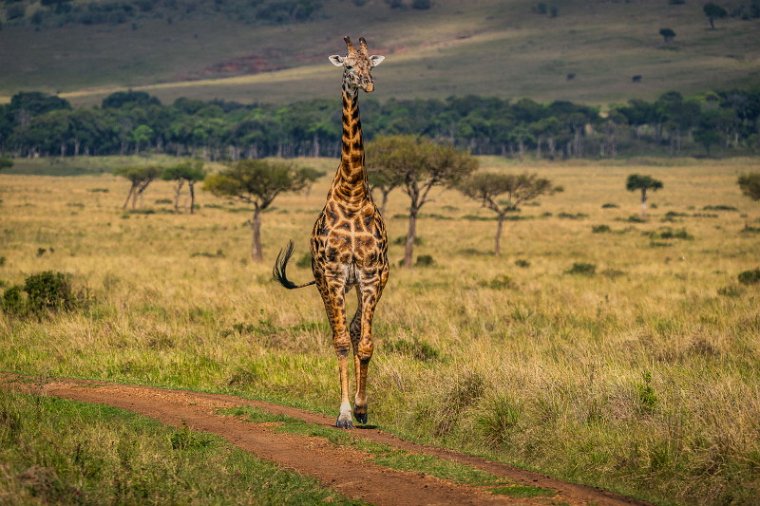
(350, 183)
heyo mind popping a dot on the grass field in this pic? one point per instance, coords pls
(63, 452)
(487, 47)
(639, 377)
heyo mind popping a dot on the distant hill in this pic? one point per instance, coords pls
(595, 52)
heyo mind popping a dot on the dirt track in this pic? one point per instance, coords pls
(346, 470)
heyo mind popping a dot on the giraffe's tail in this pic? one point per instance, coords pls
(281, 264)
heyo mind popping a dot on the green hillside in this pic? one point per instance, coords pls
(204, 49)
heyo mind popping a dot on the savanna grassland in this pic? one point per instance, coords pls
(638, 373)
(508, 49)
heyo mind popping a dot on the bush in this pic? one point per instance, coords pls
(610, 205)
(13, 301)
(600, 229)
(582, 269)
(500, 282)
(49, 291)
(670, 233)
(719, 207)
(751, 277)
(522, 263)
(572, 216)
(422, 4)
(425, 261)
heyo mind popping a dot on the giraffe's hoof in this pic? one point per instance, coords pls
(360, 413)
(344, 424)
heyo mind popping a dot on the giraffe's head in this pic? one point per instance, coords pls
(357, 66)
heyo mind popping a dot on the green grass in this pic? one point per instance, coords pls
(387, 456)
(54, 451)
(487, 48)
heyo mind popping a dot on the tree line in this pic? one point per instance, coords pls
(725, 122)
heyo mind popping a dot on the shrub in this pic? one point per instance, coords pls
(582, 269)
(219, 254)
(49, 291)
(600, 229)
(719, 207)
(13, 301)
(425, 261)
(422, 4)
(2, 261)
(751, 277)
(636, 219)
(610, 205)
(670, 233)
(522, 263)
(612, 273)
(500, 282)
(572, 216)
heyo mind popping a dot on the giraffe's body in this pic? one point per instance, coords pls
(349, 246)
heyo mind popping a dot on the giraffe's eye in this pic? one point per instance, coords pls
(349, 67)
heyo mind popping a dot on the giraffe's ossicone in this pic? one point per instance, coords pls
(349, 246)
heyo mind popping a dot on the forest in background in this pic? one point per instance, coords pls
(721, 123)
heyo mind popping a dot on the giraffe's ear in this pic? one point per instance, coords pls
(336, 60)
(376, 60)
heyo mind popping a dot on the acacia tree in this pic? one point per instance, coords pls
(713, 11)
(667, 34)
(258, 183)
(190, 172)
(643, 184)
(750, 185)
(384, 181)
(419, 165)
(488, 187)
(140, 177)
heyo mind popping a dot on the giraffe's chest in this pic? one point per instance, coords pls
(353, 241)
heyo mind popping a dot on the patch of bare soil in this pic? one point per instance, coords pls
(346, 470)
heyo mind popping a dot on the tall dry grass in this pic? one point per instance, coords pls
(641, 377)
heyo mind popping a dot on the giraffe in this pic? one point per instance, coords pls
(349, 245)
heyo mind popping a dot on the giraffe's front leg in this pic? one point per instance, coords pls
(360, 410)
(363, 349)
(332, 291)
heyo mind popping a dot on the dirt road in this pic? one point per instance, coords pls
(344, 469)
